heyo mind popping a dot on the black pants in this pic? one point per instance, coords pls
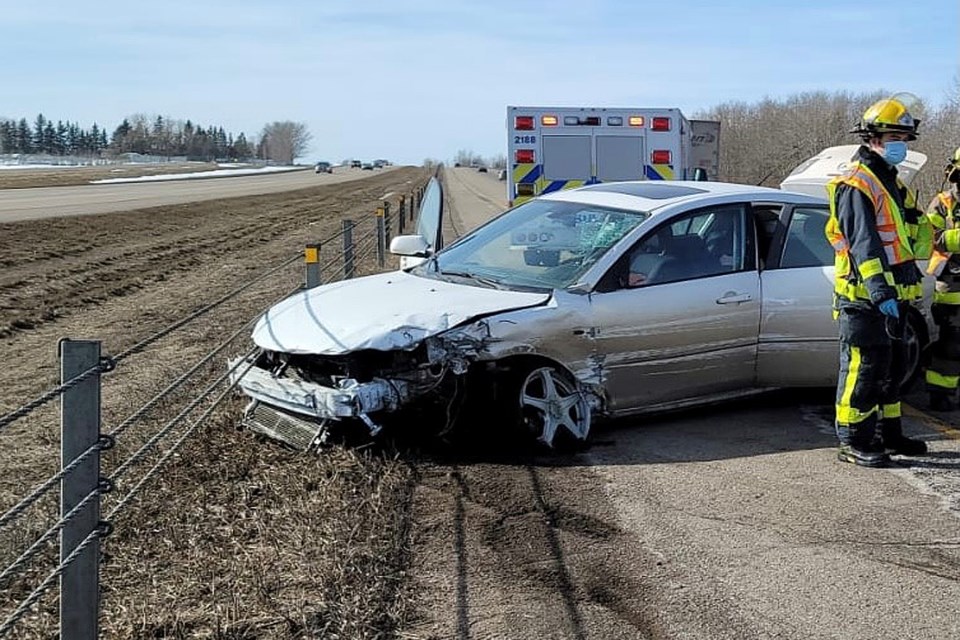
(872, 362)
(944, 369)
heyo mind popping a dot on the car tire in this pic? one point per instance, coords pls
(915, 339)
(548, 405)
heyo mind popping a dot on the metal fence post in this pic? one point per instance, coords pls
(311, 256)
(388, 232)
(80, 430)
(348, 267)
(381, 238)
(402, 216)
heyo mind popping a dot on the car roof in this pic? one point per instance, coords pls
(653, 195)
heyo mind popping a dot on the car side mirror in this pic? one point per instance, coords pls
(699, 174)
(413, 245)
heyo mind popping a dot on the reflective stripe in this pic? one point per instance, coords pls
(941, 215)
(658, 171)
(851, 415)
(935, 379)
(946, 297)
(871, 268)
(937, 263)
(859, 291)
(890, 410)
(525, 173)
(951, 240)
(845, 413)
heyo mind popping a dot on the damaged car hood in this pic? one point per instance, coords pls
(387, 311)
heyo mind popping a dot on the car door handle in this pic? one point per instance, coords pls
(733, 297)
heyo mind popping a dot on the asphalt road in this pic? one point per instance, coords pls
(735, 521)
(50, 202)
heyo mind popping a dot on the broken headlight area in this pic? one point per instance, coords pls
(296, 397)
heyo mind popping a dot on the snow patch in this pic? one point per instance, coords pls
(217, 173)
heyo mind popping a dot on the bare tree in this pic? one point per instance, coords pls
(466, 158)
(284, 141)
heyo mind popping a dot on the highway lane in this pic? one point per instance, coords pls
(51, 202)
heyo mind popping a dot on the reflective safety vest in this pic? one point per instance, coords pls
(891, 228)
(946, 222)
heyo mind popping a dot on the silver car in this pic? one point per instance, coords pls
(609, 300)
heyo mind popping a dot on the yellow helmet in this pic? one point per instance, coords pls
(890, 115)
(952, 170)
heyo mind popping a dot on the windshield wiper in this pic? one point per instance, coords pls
(490, 282)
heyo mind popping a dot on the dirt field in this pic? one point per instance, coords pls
(70, 176)
(235, 538)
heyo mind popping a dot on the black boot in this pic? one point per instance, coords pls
(858, 445)
(865, 455)
(891, 432)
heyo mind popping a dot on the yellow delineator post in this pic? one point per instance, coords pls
(311, 258)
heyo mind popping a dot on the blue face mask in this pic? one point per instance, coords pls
(895, 151)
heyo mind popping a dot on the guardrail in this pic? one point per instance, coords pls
(82, 524)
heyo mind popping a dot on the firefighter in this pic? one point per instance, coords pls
(877, 234)
(944, 214)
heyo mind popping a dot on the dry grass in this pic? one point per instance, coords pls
(264, 543)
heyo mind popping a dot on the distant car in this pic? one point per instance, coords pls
(355, 164)
(608, 300)
(323, 167)
(502, 174)
(482, 169)
(366, 166)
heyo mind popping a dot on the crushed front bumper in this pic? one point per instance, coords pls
(349, 399)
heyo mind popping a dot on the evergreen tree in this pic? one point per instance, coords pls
(49, 138)
(7, 131)
(38, 128)
(24, 139)
(119, 138)
(60, 141)
(93, 140)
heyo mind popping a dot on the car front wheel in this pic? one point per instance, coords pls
(550, 402)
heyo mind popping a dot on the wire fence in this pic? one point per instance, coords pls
(83, 485)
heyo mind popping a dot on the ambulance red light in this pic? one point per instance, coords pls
(549, 121)
(635, 121)
(523, 156)
(660, 124)
(660, 156)
(523, 123)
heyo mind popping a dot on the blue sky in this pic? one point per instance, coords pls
(408, 80)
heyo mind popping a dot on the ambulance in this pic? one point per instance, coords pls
(554, 148)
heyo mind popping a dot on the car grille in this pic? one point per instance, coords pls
(285, 427)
